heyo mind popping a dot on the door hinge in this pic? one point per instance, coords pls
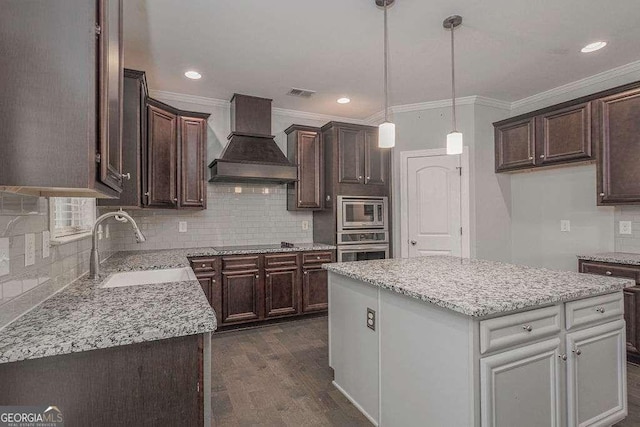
(98, 158)
(98, 29)
(459, 170)
(461, 231)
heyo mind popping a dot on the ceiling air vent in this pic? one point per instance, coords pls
(304, 93)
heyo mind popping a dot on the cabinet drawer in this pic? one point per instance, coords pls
(203, 265)
(316, 257)
(281, 260)
(595, 309)
(610, 270)
(514, 329)
(240, 262)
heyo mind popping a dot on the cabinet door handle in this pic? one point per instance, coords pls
(360, 177)
(562, 356)
(542, 156)
(530, 157)
(126, 176)
(202, 200)
(601, 194)
(175, 200)
(527, 328)
(413, 242)
(368, 177)
(600, 310)
(257, 276)
(213, 281)
(146, 194)
(204, 265)
(577, 351)
(267, 275)
(608, 273)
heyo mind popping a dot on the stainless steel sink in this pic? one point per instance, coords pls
(148, 277)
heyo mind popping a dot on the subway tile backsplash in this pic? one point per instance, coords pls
(236, 214)
(25, 287)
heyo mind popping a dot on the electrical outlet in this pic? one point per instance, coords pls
(371, 319)
(624, 227)
(565, 225)
(4, 257)
(46, 244)
(182, 227)
(106, 231)
(100, 232)
(29, 249)
(305, 225)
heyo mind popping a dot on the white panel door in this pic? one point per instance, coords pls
(521, 387)
(597, 375)
(433, 204)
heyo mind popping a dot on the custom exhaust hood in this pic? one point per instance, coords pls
(251, 155)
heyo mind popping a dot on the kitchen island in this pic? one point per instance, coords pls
(444, 341)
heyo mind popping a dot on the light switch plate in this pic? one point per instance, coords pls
(624, 227)
(29, 249)
(305, 225)
(4, 257)
(182, 227)
(565, 225)
(46, 244)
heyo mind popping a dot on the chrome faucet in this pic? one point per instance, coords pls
(122, 216)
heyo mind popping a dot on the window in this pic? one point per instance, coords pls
(69, 216)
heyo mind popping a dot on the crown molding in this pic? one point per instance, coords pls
(442, 103)
(315, 116)
(191, 99)
(611, 74)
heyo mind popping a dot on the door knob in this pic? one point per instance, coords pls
(413, 242)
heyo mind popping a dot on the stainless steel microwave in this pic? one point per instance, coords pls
(360, 213)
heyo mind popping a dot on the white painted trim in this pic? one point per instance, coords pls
(358, 407)
(576, 85)
(221, 103)
(465, 220)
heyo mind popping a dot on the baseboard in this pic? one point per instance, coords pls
(341, 390)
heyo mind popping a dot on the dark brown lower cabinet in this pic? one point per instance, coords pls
(247, 289)
(631, 299)
(148, 384)
(314, 289)
(240, 295)
(281, 293)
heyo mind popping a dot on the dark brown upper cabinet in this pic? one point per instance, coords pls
(354, 164)
(564, 134)
(175, 157)
(515, 144)
(66, 141)
(375, 160)
(133, 135)
(617, 130)
(304, 148)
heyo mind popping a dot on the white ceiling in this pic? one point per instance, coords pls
(506, 49)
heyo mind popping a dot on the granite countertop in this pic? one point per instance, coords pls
(84, 317)
(613, 257)
(477, 288)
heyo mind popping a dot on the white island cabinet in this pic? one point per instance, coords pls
(439, 341)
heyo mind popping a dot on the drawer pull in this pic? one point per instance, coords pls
(600, 310)
(318, 257)
(527, 328)
(204, 265)
(608, 273)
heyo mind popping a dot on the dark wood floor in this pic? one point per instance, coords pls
(279, 376)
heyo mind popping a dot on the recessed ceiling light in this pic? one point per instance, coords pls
(194, 75)
(343, 100)
(592, 47)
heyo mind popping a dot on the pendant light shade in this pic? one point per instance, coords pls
(454, 143)
(386, 135)
(454, 138)
(386, 130)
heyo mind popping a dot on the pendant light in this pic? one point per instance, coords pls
(386, 130)
(454, 138)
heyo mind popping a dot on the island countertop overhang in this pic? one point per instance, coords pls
(477, 288)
